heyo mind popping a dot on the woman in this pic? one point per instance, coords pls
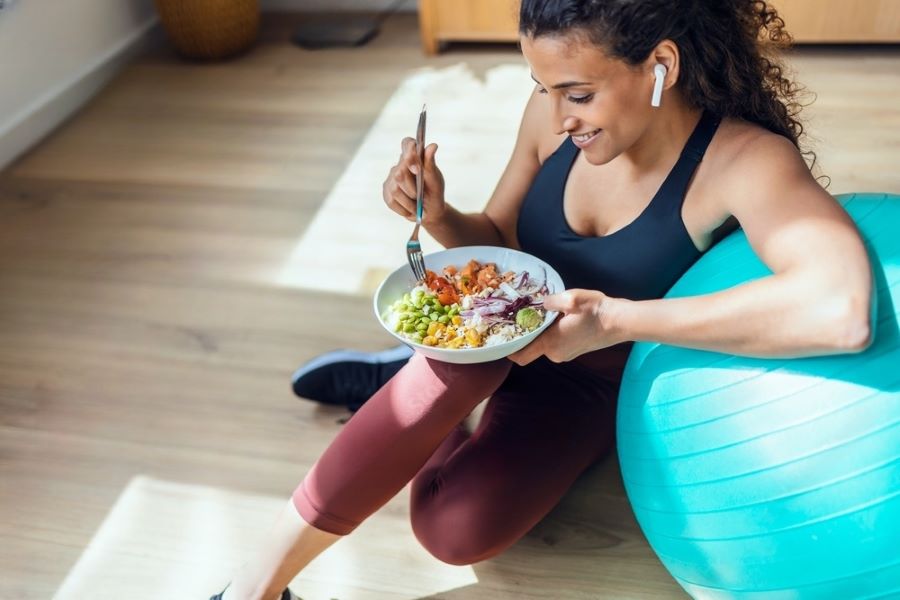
(621, 197)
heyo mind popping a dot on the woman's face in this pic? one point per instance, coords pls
(601, 102)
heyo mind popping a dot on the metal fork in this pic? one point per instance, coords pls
(413, 248)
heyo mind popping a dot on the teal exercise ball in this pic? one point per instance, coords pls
(772, 478)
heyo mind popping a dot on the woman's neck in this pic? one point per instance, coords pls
(664, 138)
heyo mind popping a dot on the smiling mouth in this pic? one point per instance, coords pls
(585, 136)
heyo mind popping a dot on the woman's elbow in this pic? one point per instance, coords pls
(854, 328)
(857, 337)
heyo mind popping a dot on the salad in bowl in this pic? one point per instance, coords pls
(476, 304)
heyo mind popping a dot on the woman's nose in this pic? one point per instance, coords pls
(565, 123)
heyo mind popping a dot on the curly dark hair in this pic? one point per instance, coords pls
(729, 50)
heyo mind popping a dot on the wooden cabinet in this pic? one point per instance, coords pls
(467, 20)
(809, 21)
(840, 21)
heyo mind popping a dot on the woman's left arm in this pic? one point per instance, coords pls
(817, 301)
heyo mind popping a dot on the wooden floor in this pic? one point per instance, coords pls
(142, 335)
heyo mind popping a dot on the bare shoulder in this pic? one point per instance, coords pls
(747, 163)
(751, 175)
(527, 156)
(762, 180)
(535, 125)
(747, 155)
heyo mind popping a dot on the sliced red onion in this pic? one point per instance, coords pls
(496, 309)
(521, 281)
(529, 287)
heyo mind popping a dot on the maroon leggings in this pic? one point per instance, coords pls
(472, 496)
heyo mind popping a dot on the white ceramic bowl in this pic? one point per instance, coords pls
(402, 281)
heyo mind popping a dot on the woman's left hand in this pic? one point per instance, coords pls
(581, 327)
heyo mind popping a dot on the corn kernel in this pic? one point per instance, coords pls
(430, 340)
(456, 320)
(473, 338)
(432, 327)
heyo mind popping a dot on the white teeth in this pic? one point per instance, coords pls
(586, 136)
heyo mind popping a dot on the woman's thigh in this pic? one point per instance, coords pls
(545, 425)
(390, 438)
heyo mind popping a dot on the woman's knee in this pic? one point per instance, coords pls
(460, 550)
(455, 538)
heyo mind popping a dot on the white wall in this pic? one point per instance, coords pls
(54, 55)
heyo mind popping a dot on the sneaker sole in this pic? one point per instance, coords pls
(350, 356)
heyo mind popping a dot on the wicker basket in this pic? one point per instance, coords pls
(210, 29)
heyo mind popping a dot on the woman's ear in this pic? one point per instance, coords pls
(662, 66)
(666, 54)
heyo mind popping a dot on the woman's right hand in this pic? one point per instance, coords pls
(399, 188)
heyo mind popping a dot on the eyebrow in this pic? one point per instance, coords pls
(563, 85)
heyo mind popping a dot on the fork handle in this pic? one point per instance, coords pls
(420, 172)
(420, 185)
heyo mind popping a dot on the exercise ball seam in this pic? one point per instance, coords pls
(829, 483)
(781, 589)
(821, 519)
(709, 450)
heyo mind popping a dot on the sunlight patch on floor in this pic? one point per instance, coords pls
(355, 240)
(181, 542)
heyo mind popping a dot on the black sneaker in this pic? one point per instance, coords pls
(347, 377)
(287, 594)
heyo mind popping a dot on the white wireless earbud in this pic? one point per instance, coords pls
(659, 71)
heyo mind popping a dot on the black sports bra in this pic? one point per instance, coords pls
(640, 261)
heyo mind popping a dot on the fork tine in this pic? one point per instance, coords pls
(414, 258)
(414, 264)
(420, 260)
(417, 264)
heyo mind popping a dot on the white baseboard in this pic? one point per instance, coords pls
(46, 113)
(336, 5)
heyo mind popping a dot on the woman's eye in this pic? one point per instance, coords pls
(575, 99)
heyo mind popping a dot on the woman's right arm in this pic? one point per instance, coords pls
(496, 225)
